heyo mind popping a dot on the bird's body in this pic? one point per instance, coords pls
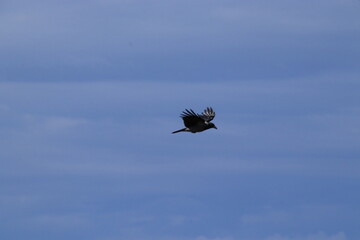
(197, 122)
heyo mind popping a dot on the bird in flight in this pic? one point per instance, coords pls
(197, 122)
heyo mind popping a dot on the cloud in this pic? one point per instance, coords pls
(303, 119)
(268, 217)
(58, 221)
(92, 40)
(215, 238)
(317, 236)
(3, 108)
(287, 16)
(61, 123)
(90, 92)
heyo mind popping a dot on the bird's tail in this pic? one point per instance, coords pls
(181, 130)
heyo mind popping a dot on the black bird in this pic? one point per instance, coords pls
(197, 122)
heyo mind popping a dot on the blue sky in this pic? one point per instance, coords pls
(90, 92)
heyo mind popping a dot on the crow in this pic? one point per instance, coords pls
(197, 122)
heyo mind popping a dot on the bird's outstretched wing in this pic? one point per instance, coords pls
(191, 118)
(208, 114)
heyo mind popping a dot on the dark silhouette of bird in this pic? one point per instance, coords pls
(197, 122)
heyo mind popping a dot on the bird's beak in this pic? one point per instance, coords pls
(215, 127)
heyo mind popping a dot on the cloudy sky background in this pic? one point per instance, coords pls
(90, 92)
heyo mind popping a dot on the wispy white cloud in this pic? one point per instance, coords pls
(54, 124)
(277, 121)
(94, 88)
(3, 107)
(288, 16)
(92, 40)
(213, 238)
(58, 221)
(316, 236)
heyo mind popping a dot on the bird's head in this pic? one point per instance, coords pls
(211, 125)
